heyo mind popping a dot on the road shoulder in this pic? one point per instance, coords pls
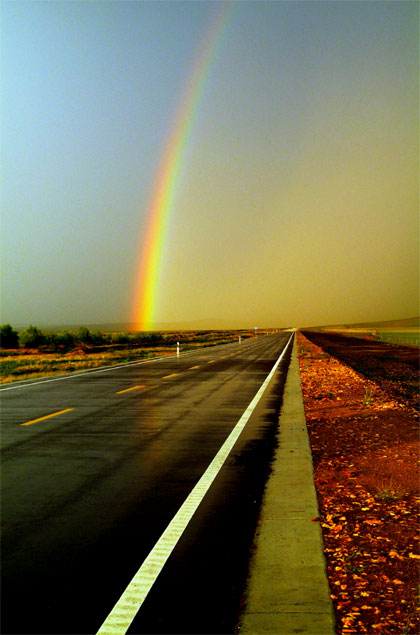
(287, 590)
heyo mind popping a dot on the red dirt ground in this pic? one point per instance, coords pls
(364, 440)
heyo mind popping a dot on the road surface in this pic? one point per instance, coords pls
(94, 468)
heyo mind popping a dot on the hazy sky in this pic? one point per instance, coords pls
(298, 200)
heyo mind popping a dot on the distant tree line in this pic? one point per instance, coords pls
(34, 337)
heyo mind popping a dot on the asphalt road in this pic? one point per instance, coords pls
(88, 491)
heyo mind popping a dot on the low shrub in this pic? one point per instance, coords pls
(32, 337)
(8, 337)
(121, 338)
(64, 339)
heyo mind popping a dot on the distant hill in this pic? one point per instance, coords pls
(212, 324)
(193, 325)
(404, 323)
(413, 322)
(111, 327)
(206, 324)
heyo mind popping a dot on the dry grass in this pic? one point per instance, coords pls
(22, 364)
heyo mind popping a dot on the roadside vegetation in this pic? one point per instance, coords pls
(33, 353)
(405, 332)
(404, 336)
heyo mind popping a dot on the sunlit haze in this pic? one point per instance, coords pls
(296, 196)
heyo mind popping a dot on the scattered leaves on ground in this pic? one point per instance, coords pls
(364, 443)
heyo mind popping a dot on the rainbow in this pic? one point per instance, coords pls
(148, 271)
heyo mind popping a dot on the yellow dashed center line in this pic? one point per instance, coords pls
(54, 414)
(167, 376)
(119, 392)
(193, 367)
(211, 361)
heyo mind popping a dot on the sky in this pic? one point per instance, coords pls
(297, 199)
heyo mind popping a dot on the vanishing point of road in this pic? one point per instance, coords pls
(96, 466)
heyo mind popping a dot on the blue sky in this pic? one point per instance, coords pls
(298, 202)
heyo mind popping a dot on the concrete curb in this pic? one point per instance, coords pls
(287, 590)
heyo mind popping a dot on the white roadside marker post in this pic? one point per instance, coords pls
(177, 349)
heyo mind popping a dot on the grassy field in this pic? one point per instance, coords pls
(408, 337)
(20, 364)
(404, 336)
(405, 331)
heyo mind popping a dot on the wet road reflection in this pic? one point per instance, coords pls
(87, 494)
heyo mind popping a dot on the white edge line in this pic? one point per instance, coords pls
(125, 610)
(92, 371)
